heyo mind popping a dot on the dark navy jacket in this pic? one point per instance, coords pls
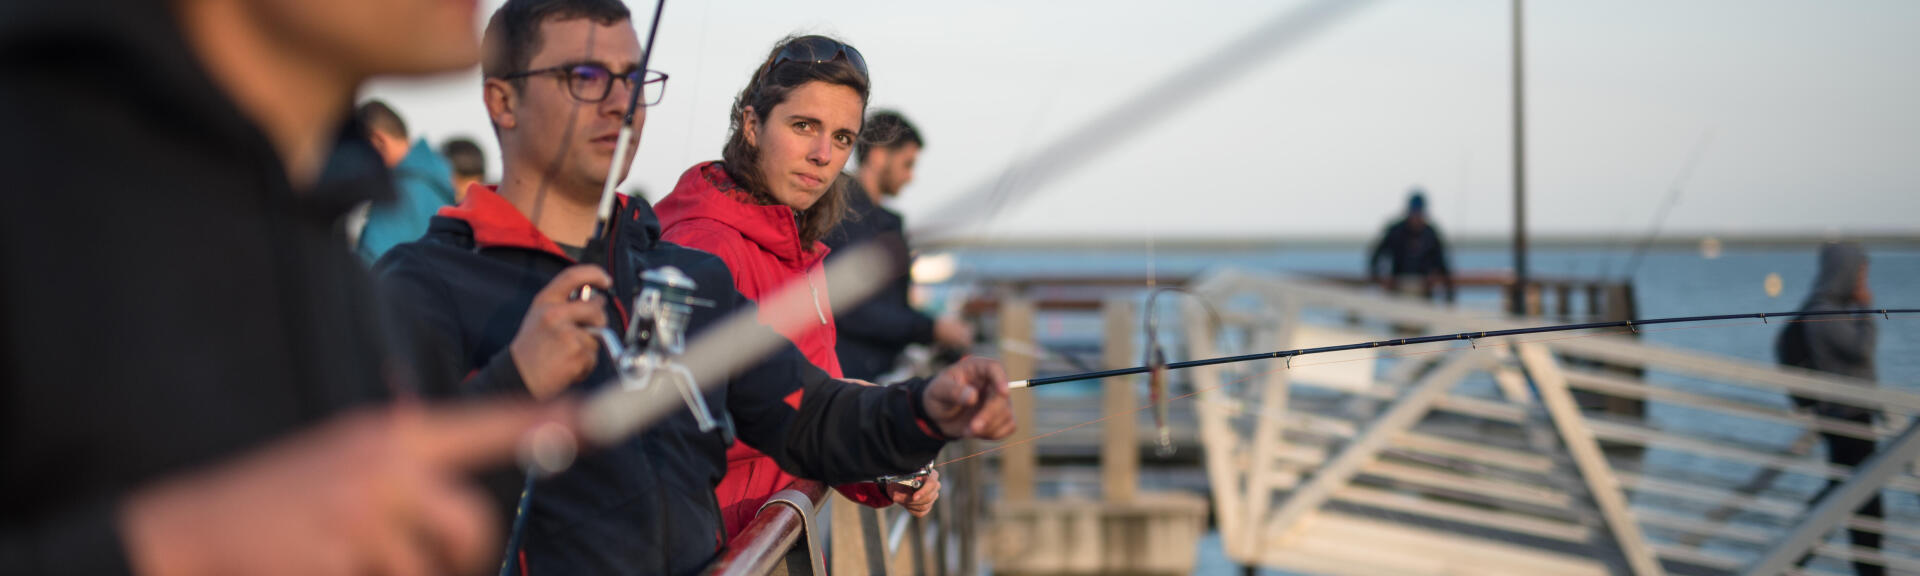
(873, 333)
(1409, 252)
(645, 507)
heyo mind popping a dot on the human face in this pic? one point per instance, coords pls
(544, 128)
(377, 37)
(895, 166)
(805, 141)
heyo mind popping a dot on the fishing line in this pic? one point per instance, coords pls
(1608, 329)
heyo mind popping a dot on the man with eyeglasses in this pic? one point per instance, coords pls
(485, 298)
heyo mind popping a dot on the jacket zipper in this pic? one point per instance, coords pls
(816, 299)
(815, 292)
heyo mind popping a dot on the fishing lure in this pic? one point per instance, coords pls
(1156, 368)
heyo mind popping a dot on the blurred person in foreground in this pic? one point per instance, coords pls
(873, 334)
(1415, 254)
(489, 290)
(193, 373)
(1842, 346)
(422, 183)
(469, 165)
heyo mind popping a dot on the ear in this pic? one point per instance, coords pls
(391, 149)
(750, 123)
(502, 101)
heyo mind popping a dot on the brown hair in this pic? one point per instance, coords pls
(377, 116)
(769, 87)
(513, 32)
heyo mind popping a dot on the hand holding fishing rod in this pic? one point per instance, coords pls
(969, 399)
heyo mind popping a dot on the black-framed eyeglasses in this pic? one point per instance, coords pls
(818, 49)
(593, 82)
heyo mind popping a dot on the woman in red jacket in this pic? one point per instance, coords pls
(763, 209)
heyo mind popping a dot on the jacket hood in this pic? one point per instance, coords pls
(139, 48)
(424, 164)
(139, 42)
(1840, 264)
(496, 223)
(705, 192)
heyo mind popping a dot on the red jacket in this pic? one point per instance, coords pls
(761, 245)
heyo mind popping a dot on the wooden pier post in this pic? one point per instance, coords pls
(1019, 461)
(1120, 444)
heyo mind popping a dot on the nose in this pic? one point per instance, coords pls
(821, 153)
(615, 104)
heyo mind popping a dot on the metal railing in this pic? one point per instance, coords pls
(787, 536)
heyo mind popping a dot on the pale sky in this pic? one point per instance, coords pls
(1810, 107)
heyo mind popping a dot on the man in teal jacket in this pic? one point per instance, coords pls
(422, 183)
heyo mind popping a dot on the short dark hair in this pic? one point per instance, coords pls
(465, 157)
(513, 33)
(886, 130)
(377, 116)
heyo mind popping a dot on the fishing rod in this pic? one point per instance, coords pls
(1680, 181)
(594, 251)
(596, 246)
(1468, 336)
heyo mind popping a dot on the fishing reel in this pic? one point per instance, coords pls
(914, 479)
(649, 354)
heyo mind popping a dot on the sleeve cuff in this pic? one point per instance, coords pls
(500, 376)
(924, 433)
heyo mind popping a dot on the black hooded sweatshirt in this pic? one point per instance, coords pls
(171, 301)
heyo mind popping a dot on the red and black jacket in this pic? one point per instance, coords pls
(645, 507)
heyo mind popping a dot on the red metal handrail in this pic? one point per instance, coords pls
(767, 539)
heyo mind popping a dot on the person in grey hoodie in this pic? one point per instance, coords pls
(1843, 346)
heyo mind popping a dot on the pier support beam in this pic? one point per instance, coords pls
(1839, 505)
(1405, 412)
(1593, 466)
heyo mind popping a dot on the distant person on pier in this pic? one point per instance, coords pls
(1416, 257)
(873, 334)
(1843, 346)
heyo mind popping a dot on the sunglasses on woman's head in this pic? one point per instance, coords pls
(819, 49)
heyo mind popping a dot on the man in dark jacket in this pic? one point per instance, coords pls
(184, 327)
(1416, 257)
(873, 334)
(1842, 346)
(488, 290)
